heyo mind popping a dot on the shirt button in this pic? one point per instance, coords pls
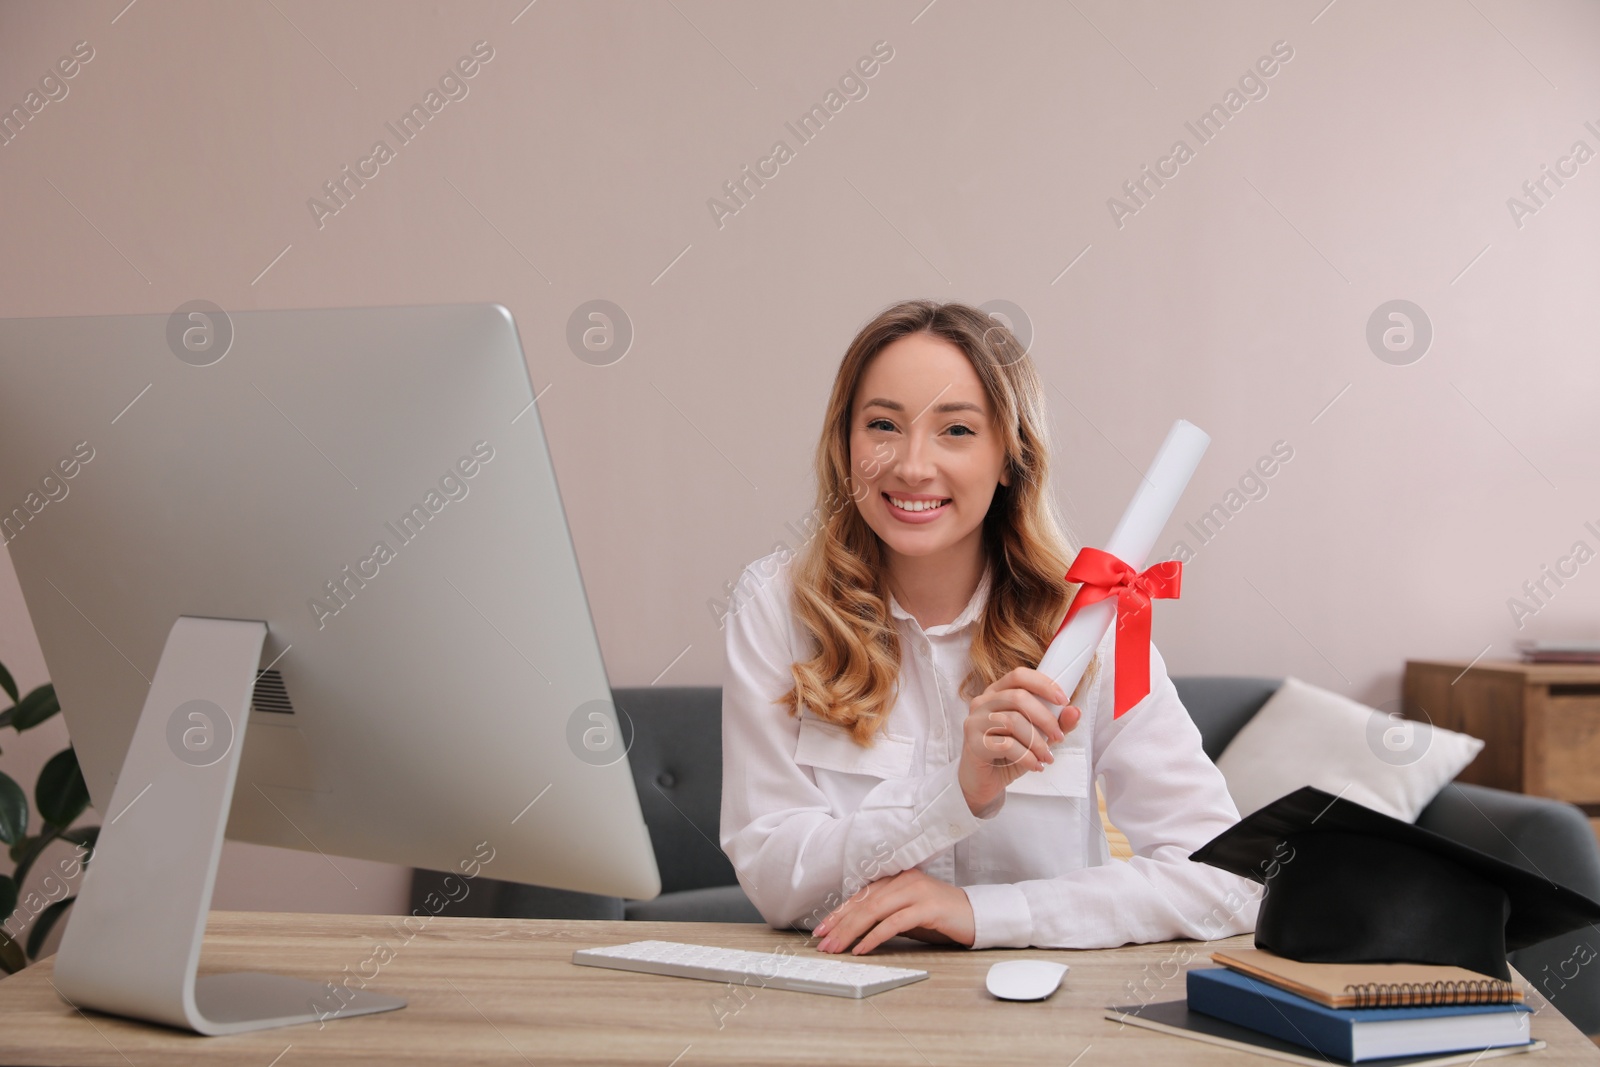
(954, 829)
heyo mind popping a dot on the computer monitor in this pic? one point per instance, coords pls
(304, 576)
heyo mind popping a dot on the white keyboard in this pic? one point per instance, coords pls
(770, 970)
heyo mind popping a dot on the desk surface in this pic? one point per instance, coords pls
(504, 991)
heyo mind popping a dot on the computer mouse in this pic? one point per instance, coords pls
(1025, 979)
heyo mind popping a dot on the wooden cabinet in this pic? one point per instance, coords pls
(1540, 722)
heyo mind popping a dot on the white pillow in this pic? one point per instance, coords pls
(1305, 735)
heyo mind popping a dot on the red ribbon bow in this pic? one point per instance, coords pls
(1103, 575)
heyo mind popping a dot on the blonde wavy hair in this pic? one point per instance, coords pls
(840, 594)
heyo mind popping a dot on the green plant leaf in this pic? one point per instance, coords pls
(61, 793)
(35, 708)
(27, 851)
(87, 836)
(7, 684)
(41, 926)
(8, 897)
(11, 958)
(13, 810)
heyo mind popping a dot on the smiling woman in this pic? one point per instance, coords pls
(963, 482)
(881, 714)
(972, 460)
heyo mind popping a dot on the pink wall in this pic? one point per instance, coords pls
(978, 165)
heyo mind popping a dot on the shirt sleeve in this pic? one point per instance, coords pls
(1168, 798)
(796, 857)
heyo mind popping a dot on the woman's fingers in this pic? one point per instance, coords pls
(865, 910)
(1068, 720)
(1009, 730)
(1021, 733)
(1034, 681)
(1010, 752)
(1042, 690)
(907, 918)
(1027, 705)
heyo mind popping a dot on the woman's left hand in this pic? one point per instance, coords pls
(912, 903)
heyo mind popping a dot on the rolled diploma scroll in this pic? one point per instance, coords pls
(1153, 503)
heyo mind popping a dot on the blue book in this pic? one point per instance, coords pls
(1354, 1034)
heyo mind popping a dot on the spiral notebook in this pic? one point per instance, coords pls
(1371, 985)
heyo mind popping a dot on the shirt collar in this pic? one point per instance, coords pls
(969, 614)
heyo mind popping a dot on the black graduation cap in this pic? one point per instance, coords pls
(1347, 884)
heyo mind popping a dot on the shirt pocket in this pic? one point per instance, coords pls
(1068, 776)
(829, 746)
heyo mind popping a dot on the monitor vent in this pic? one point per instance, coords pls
(270, 694)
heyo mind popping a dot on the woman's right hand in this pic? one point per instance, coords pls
(1008, 732)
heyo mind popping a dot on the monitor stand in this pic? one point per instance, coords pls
(132, 940)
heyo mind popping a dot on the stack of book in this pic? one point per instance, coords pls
(1560, 651)
(1362, 1011)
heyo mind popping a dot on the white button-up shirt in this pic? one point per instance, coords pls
(809, 816)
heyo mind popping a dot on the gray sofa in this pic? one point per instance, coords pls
(676, 761)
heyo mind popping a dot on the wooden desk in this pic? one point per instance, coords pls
(504, 991)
